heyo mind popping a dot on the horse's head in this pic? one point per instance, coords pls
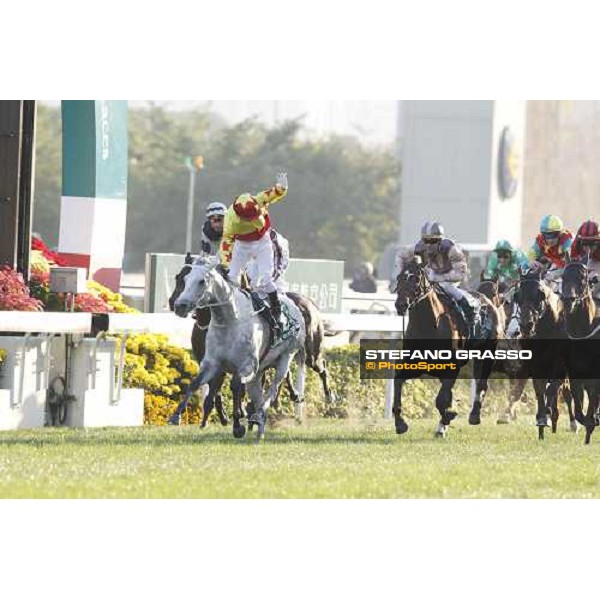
(532, 298)
(411, 285)
(574, 284)
(490, 288)
(198, 287)
(179, 285)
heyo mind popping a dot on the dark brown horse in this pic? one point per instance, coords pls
(315, 360)
(582, 324)
(433, 317)
(497, 292)
(541, 328)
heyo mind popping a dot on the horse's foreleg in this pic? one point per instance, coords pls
(578, 388)
(443, 403)
(552, 390)
(237, 391)
(401, 424)
(482, 370)
(224, 420)
(209, 401)
(539, 385)
(515, 392)
(207, 371)
(590, 420)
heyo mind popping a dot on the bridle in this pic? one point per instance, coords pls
(579, 299)
(536, 311)
(425, 290)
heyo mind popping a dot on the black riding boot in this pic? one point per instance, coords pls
(471, 317)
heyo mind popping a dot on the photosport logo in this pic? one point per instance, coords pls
(540, 359)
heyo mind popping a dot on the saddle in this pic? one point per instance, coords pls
(473, 326)
(277, 333)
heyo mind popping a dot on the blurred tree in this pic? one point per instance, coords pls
(342, 204)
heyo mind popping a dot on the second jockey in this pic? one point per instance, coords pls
(551, 246)
(446, 265)
(586, 247)
(505, 263)
(246, 237)
(212, 230)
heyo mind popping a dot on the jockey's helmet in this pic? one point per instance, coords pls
(215, 209)
(589, 232)
(504, 248)
(246, 207)
(551, 224)
(432, 232)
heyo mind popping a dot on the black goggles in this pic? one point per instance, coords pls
(506, 255)
(551, 235)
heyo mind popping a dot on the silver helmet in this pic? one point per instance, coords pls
(215, 209)
(432, 230)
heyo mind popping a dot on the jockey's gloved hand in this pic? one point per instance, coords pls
(281, 181)
(594, 279)
(536, 266)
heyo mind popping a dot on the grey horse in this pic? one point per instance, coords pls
(238, 341)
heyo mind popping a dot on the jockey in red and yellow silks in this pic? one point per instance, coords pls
(553, 243)
(247, 219)
(246, 238)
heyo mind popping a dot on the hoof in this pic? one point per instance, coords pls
(541, 433)
(401, 426)
(449, 416)
(504, 420)
(474, 418)
(239, 432)
(574, 426)
(203, 425)
(224, 422)
(542, 422)
(441, 432)
(175, 420)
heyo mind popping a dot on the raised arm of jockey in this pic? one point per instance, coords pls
(273, 194)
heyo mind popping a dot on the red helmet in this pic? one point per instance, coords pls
(589, 231)
(246, 207)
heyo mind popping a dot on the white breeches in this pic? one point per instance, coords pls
(453, 290)
(262, 253)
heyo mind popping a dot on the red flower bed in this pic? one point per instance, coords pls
(14, 294)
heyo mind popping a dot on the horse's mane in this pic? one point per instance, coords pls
(551, 297)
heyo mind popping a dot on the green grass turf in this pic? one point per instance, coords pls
(319, 459)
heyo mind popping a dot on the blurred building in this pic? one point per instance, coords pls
(452, 157)
(562, 163)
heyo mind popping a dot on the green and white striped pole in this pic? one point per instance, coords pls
(94, 188)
